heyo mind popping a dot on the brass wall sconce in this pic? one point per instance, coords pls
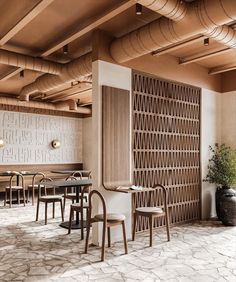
(56, 144)
(2, 143)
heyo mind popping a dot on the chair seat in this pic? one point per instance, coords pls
(15, 187)
(111, 217)
(70, 195)
(50, 198)
(154, 210)
(35, 186)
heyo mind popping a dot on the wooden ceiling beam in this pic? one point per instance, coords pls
(93, 24)
(10, 74)
(203, 56)
(62, 98)
(177, 46)
(25, 20)
(222, 69)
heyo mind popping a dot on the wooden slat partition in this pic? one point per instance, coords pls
(116, 137)
(166, 146)
(46, 168)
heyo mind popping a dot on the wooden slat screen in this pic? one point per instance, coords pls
(166, 146)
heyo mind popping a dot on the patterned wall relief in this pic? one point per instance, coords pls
(28, 138)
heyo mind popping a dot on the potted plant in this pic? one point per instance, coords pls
(222, 172)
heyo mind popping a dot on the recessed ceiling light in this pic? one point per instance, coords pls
(138, 9)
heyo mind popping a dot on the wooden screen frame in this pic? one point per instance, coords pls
(181, 202)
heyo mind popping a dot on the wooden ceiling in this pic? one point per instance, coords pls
(41, 29)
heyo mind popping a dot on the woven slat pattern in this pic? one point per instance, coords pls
(166, 146)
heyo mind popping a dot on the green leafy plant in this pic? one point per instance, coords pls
(222, 166)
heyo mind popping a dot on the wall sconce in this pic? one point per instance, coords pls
(1, 143)
(56, 144)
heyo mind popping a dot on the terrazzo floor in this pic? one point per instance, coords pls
(31, 251)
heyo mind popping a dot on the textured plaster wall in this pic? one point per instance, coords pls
(28, 139)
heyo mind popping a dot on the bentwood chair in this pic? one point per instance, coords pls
(153, 212)
(34, 185)
(70, 195)
(48, 199)
(108, 219)
(15, 178)
(79, 207)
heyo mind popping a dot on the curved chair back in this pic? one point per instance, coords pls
(37, 175)
(77, 174)
(71, 177)
(16, 175)
(165, 195)
(41, 181)
(100, 196)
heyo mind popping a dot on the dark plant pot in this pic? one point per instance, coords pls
(228, 209)
(220, 192)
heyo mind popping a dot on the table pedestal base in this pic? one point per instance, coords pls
(74, 224)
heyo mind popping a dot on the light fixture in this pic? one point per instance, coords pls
(1, 143)
(22, 73)
(206, 41)
(138, 9)
(56, 144)
(65, 49)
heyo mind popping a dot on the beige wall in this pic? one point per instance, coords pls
(210, 134)
(228, 118)
(87, 143)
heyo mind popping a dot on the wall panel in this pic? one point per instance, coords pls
(166, 145)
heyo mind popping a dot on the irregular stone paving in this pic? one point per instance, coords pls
(31, 251)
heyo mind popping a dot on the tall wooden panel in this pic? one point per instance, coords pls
(166, 145)
(116, 115)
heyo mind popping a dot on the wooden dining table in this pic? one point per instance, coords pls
(77, 184)
(11, 173)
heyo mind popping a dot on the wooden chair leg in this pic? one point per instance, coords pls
(103, 241)
(87, 234)
(64, 202)
(53, 210)
(62, 212)
(151, 228)
(70, 220)
(82, 224)
(124, 237)
(109, 236)
(167, 226)
(33, 196)
(5, 199)
(134, 226)
(18, 197)
(10, 200)
(46, 212)
(37, 211)
(24, 196)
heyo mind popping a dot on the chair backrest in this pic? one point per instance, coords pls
(100, 196)
(77, 174)
(41, 182)
(37, 174)
(14, 177)
(165, 195)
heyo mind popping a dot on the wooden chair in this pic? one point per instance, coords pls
(153, 212)
(15, 188)
(34, 186)
(108, 219)
(48, 199)
(79, 207)
(69, 195)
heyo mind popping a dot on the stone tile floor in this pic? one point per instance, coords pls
(31, 251)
